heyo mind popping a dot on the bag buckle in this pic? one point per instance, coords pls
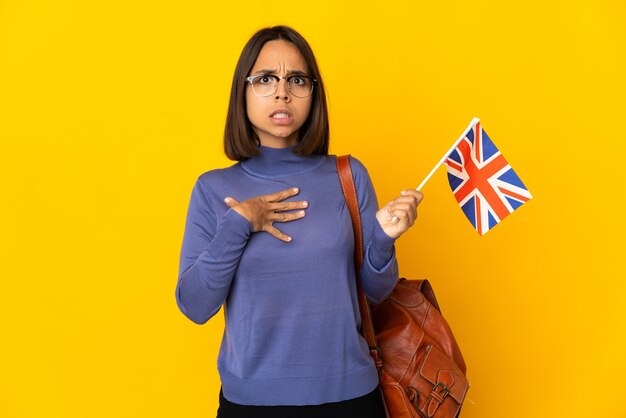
(379, 354)
(443, 386)
(435, 399)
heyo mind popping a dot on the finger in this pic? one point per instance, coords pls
(406, 199)
(402, 205)
(281, 206)
(414, 193)
(282, 195)
(392, 216)
(276, 233)
(407, 204)
(411, 200)
(230, 201)
(412, 216)
(286, 217)
(406, 207)
(403, 216)
(411, 213)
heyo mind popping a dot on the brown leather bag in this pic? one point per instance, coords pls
(421, 369)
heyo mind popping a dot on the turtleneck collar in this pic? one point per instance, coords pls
(281, 162)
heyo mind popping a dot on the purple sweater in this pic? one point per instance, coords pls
(291, 311)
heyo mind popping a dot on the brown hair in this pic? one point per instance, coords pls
(240, 140)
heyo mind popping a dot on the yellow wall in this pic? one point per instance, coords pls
(109, 110)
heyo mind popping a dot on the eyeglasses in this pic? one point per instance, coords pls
(267, 84)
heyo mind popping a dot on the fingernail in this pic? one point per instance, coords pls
(305, 204)
(289, 239)
(394, 219)
(301, 213)
(403, 192)
(295, 189)
(227, 199)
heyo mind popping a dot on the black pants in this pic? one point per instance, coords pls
(367, 406)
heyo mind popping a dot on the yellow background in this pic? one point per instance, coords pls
(109, 111)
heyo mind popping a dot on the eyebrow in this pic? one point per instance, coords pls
(273, 70)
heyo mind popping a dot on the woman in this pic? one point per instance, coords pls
(270, 239)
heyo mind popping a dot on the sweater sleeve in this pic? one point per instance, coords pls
(379, 272)
(209, 256)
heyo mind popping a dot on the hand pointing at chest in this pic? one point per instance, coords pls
(262, 211)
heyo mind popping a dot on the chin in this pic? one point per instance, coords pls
(283, 134)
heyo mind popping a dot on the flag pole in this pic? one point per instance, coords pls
(471, 125)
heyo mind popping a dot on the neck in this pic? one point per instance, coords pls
(279, 142)
(280, 162)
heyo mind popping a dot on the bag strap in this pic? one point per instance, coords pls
(349, 191)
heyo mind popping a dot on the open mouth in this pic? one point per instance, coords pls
(281, 116)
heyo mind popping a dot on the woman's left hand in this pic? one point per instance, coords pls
(398, 215)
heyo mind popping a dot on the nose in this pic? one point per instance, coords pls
(283, 90)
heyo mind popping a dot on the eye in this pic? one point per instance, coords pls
(298, 81)
(263, 79)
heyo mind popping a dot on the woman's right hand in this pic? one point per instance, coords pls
(262, 211)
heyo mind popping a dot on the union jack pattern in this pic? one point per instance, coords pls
(483, 182)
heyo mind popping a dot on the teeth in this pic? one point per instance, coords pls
(280, 115)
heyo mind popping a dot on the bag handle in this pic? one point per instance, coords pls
(349, 191)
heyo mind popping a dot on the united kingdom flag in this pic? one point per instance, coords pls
(483, 182)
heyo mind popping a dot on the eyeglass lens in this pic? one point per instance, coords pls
(264, 85)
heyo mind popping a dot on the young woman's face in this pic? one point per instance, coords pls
(277, 118)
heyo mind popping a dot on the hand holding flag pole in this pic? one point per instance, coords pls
(471, 125)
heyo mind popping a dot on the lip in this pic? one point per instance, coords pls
(281, 110)
(284, 120)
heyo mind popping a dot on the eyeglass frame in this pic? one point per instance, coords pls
(282, 77)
